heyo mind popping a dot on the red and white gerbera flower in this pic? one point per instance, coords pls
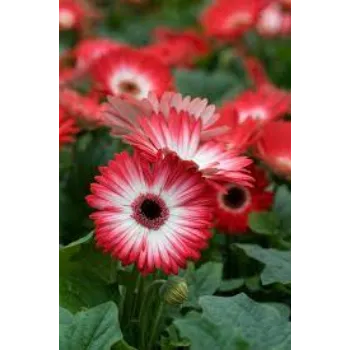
(270, 20)
(86, 109)
(274, 147)
(181, 134)
(89, 50)
(234, 203)
(178, 49)
(67, 128)
(229, 19)
(71, 14)
(262, 105)
(130, 72)
(121, 114)
(154, 215)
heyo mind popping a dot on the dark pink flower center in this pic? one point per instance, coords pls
(150, 211)
(235, 198)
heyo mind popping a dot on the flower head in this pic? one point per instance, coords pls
(67, 128)
(229, 19)
(234, 203)
(130, 72)
(121, 114)
(179, 49)
(71, 14)
(274, 147)
(156, 215)
(181, 134)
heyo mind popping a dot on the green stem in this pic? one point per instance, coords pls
(155, 329)
(144, 309)
(129, 296)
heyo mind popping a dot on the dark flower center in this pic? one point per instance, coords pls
(129, 87)
(235, 197)
(150, 209)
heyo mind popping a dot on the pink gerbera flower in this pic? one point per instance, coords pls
(121, 113)
(130, 72)
(154, 215)
(181, 134)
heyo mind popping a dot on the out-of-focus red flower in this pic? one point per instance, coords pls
(89, 50)
(67, 128)
(274, 147)
(73, 13)
(177, 48)
(286, 3)
(85, 109)
(273, 20)
(262, 105)
(229, 19)
(127, 71)
(234, 203)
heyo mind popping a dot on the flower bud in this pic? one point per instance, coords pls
(174, 291)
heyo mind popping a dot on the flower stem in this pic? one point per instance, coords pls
(155, 329)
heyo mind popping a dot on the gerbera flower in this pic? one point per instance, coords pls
(130, 72)
(74, 14)
(270, 20)
(67, 128)
(179, 133)
(262, 105)
(84, 108)
(274, 147)
(121, 113)
(154, 215)
(229, 19)
(89, 50)
(178, 49)
(234, 203)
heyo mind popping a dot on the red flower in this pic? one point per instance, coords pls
(154, 215)
(234, 203)
(130, 72)
(71, 15)
(274, 147)
(180, 133)
(179, 49)
(229, 19)
(67, 128)
(89, 50)
(121, 113)
(273, 21)
(84, 108)
(262, 105)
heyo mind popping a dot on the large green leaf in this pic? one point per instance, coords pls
(266, 223)
(235, 323)
(198, 83)
(94, 329)
(203, 281)
(86, 276)
(277, 263)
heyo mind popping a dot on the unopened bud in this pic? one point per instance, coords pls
(174, 291)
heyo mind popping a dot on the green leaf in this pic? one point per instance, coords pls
(198, 83)
(282, 207)
(94, 329)
(283, 309)
(86, 276)
(203, 281)
(122, 345)
(232, 284)
(265, 223)
(235, 323)
(277, 263)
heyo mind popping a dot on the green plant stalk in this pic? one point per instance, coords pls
(156, 324)
(128, 298)
(147, 299)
